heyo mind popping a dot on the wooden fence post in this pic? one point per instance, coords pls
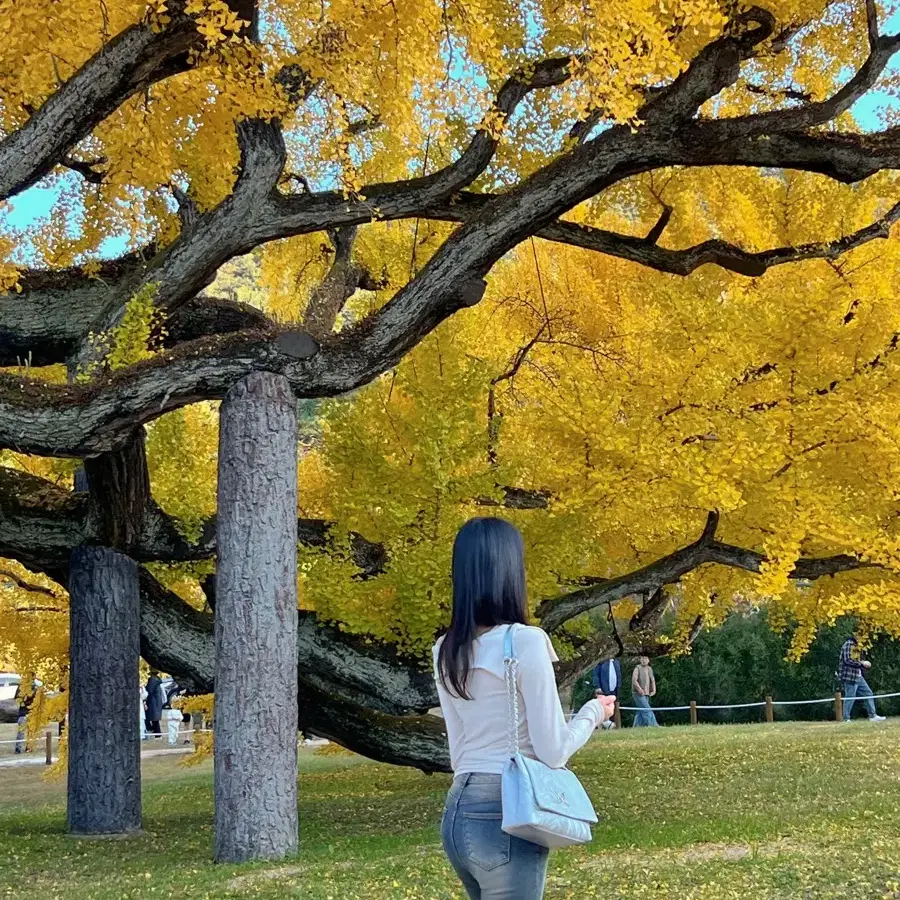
(770, 710)
(838, 707)
(617, 714)
(49, 747)
(693, 712)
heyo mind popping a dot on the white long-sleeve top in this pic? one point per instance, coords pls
(477, 729)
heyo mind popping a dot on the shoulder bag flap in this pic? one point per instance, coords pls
(557, 790)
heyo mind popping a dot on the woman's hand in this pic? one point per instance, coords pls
(608, 705)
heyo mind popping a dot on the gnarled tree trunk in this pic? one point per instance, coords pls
(104, 790)
(256, 623)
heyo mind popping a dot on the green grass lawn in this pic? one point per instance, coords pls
(784, 811)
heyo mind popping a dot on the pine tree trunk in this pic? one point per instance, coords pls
(104, 789)
(256, 623)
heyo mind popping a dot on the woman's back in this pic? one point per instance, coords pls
(478, 728)
(489, 594)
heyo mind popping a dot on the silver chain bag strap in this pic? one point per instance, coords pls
(542, 805)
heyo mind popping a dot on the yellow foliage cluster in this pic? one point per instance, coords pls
(644, 402)
(182, 448)
(201, 708)
(133, 339)
(427, 73)
(34, 626)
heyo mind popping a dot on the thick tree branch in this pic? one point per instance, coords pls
(97, 417)
(45, 323)
(40, 523)
(715, 67)
(207, 316)
(119, 491)
(714, 252)
(842, 156)
(811, 114)
(190, 263)
(28, 586)
(804, 569)
(366, 696)
(872, 24)
(645, 251)
(343, 279)
(87, 170)
(669, 569)
(188, 212)
(596, 649)
(125, 65)
(255, 212)
(56, 308)
(174, 635)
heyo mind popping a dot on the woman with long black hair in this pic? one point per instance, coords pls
(489, 593)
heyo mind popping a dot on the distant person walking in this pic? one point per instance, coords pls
(607, 679)
(155, 702)
(172, 718)
(643, 687)
(23, 745)
(853, 685)
(22, 721)
(142, 712)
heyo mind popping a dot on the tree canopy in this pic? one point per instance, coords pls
(622, 274)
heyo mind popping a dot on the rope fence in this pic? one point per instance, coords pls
(768, 704)
(759, 703)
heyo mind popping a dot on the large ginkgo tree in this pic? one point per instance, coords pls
(623, 274)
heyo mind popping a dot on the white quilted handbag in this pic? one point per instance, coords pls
(542, 805)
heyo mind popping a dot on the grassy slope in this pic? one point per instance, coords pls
(786, 811)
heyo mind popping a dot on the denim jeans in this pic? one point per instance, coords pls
(854, 690)
(644, 717)
(491, 864)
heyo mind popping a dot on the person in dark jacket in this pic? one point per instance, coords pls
(607, 679)
(154, 703)
(25, 704)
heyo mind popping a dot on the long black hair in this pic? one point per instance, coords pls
(488, 590)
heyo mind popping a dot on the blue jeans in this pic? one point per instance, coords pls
(491, 864)
(644, 717)
(854, 690)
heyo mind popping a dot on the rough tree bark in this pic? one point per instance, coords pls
(256, 623)
(104, 670)
(104, 788)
